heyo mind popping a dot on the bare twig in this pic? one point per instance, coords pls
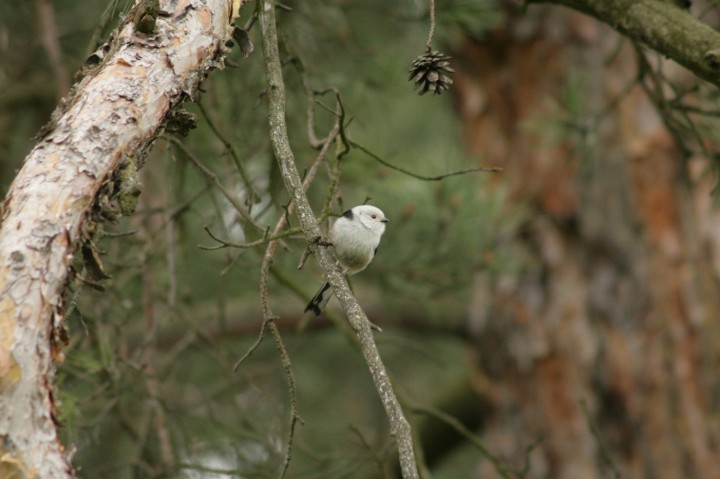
(269, 323)
(503, 469)
(253, 195)
(465, 171)
(232, 244)
(335, 169)
(278, 234)
(215, 180)
(252, 348)
(265, 270)
(400, 428)
(378, 457)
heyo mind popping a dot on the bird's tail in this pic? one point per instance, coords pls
(320, 300)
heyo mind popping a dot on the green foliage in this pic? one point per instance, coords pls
(475, 17)
(567, 120)
(148, 388)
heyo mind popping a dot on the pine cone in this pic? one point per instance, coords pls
(430, 72)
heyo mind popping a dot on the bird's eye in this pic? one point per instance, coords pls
(374, 217)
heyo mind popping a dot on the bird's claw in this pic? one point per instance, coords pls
(318, 240)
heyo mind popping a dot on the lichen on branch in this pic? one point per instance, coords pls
(662, 26)
(400, 427)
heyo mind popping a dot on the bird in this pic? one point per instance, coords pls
(355, 237)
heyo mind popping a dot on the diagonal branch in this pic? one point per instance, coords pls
(661, 25)
(400, 427)
(111, 118)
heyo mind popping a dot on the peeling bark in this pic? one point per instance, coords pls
(111, 118)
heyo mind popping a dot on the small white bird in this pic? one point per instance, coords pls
(355, 236)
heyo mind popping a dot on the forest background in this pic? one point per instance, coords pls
(557, 318)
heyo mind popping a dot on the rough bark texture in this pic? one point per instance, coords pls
(663, 26)
(110, 119)
(613, 321)
(399, 426)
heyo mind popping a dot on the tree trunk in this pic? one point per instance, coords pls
(108, 121)
(605, 346)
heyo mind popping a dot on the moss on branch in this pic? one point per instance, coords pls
(662, 26)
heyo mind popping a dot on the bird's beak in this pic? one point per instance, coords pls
(385, 220)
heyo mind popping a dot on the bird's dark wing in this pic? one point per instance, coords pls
(319, 301)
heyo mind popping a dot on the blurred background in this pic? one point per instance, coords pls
(557, 319)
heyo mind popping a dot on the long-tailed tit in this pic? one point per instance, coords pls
(355, 236)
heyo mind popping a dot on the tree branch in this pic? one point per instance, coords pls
(281, 146)
(491, 169)
(661, 25)
(111, 118)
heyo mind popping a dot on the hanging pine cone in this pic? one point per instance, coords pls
(430, 72)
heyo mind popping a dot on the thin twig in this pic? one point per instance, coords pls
(269, 320)
(269, 323)
(654, 92)
(315, 142)
(254, 196)
(232, 244)
(312, 173)
(676, 120)
(252, 348)
(616, 100)
(268, 317)
(292, 389)
(214, 470)
(335, 169)
(378, 457)
(503, 469)
(277, 233)
(399, 426)
(251, 21)
(465, 171)
(214, 179)
(183, 207)
(696, 110)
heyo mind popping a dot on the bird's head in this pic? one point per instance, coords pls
(371, 217)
